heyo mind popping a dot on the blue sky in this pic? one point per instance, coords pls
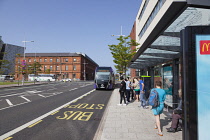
(67, 25)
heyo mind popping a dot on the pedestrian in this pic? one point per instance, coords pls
(128, 89)
(132, 89)
(175, 125)
(159, 109)
(142, 93)
(176, 116)
(136, 88)
(122, 91)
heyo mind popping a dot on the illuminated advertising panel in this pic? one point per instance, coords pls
(167, 84)
(203, 82)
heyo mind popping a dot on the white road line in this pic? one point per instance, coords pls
(58, 93)
(13, 94)
(39, 118)
(30, 91)
(8, 101)
(41, 95)
(25, 98)
(73, 89)
(13, 105)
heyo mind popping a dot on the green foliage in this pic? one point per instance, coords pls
(122, 53)
(47, 71)
(34, 68)
(4, 64)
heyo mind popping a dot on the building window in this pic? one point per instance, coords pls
(45, 60)
(29, 60)
(75, 59)
(74, 67)
(66, 60)
(50, 59)
(57, 68)
(45, 68)
(51, 68)
(57, 60)
(74, 75)
(35, 60)
(40, 60)
(67, 68)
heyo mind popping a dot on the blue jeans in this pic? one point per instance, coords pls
(142, 99)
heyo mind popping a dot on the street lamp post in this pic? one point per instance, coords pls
(84, 70)
(120, 33)
(24, 59)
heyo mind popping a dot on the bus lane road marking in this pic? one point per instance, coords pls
(10, 133)
(35, 123)
(80, 115)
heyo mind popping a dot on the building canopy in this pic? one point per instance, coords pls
(166, 44)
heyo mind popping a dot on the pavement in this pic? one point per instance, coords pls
(132, 122)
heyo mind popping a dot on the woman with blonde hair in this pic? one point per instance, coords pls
(136, 88)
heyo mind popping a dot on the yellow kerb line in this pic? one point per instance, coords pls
(8, 138)
(35, 124)
(54, 112)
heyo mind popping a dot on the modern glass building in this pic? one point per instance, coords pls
(8, 52)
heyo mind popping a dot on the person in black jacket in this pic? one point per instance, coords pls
(122, 91)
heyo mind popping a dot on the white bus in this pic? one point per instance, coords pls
(41, 77)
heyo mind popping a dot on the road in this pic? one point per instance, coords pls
(67, 111)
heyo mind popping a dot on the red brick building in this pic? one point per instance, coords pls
(63, 65)
(133, 72)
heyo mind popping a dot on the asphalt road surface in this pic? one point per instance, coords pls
(55, 111)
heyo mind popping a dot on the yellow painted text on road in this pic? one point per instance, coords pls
(77, 115)
(87, 106)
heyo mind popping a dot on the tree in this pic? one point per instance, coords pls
(122, 53)
(34, 68)
(4, 64)
(47, 71)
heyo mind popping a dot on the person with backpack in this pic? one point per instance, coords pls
(156, 100)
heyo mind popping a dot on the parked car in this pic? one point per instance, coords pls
(7, 78)
(66, 80)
